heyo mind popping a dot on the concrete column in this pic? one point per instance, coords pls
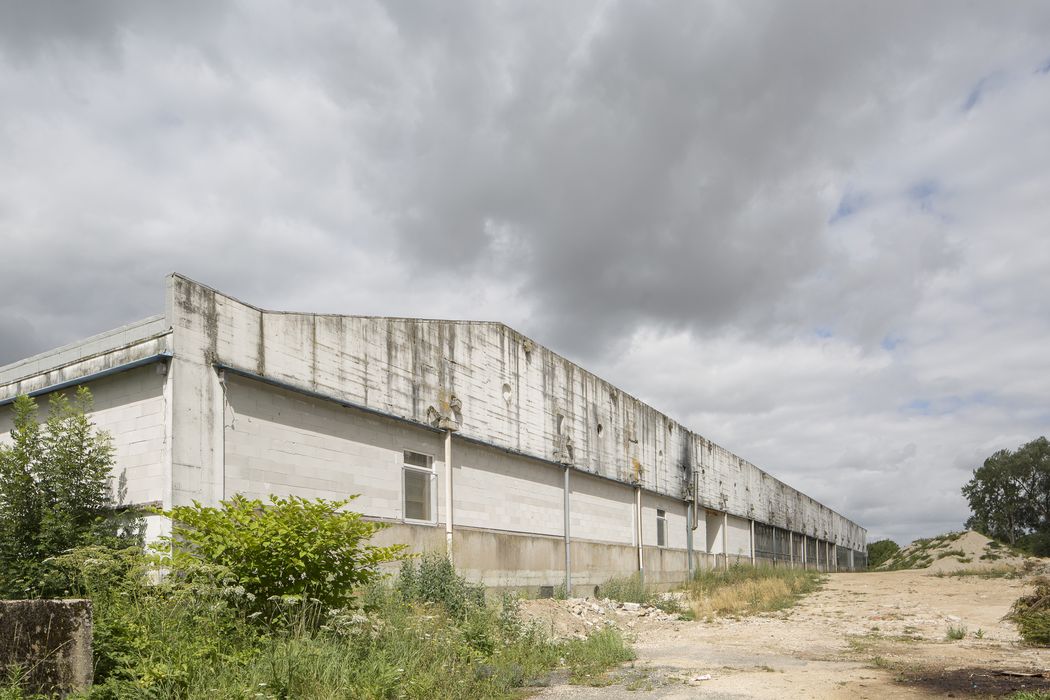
(791, 549)
(752, 543)
(638, 529)
(689, 517)
(568, 541)
(196, 400)
(448, 494)
(725, 540)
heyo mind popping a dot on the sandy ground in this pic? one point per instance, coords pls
(870, 635)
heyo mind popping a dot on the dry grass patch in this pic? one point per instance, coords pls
(746, 590)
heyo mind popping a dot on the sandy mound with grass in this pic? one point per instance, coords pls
(959, 551)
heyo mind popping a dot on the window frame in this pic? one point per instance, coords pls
(661, 528)
(431, 487)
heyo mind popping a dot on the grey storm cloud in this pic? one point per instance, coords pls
(809, 230)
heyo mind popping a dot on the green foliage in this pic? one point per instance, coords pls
(589, 658)
(1009, 495)
(1031, 614)
(187, 637)
(880, 551)
(289, 547)
(55, 493)
(955, 633)
(433, 579)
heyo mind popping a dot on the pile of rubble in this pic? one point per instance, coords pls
(578, 617)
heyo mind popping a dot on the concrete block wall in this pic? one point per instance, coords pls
(131, 407)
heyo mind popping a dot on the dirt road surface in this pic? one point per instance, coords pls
(869, 635)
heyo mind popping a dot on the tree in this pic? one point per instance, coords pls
(307, 549)
(880, 552)
(1009, 494)
(55, 491)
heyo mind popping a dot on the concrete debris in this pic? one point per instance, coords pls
(575, 618)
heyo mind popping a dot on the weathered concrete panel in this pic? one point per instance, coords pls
(601, 510)
(738, 536)
(50, 640)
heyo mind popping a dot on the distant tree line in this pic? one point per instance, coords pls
(1009, 497)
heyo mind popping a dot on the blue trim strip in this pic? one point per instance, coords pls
(159, 357)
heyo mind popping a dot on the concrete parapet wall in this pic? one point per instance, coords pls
(49, 641)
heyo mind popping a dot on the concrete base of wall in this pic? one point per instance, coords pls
(508, 560)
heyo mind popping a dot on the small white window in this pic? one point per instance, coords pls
(661, 528)
(418, 487)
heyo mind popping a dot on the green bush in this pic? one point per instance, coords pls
(433, 579)
(55, 493)
(1031, 614)
(289, 547)
(881, 551)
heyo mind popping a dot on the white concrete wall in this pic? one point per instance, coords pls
(714, 529)
(601, 510)
(676, 520)
(739, 536)
(499, 491)
(283, 443)
(130, 406)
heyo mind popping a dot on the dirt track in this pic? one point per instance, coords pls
(872, 635)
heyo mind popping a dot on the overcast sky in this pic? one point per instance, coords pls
(815, 232)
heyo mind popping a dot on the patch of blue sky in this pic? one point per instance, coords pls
(945, 405)
(982, 88)
(920, 406)
(852, 201)
(974, 97)
(923, 192)
(890, 342)
(823, 332)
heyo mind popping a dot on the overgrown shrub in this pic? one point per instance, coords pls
(56, 493)
(1031, 614)
(880, 551)
(288, 547)
(433, 579)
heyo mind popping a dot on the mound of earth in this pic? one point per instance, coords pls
(958, 551)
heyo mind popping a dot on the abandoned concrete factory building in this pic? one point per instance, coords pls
(545, 469)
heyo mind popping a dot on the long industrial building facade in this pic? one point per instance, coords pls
(549, 473)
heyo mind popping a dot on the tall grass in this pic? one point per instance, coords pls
(746, 590)
(433, 635)
(632, 589)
